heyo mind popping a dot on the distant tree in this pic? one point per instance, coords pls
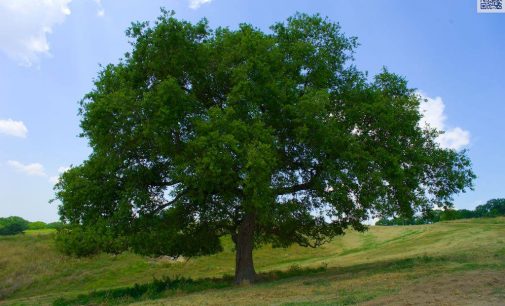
(492, 208)
(12, 225)
(37, 225)
(267, 137)
(384, 221)
(466, 214)
(449, 214)
(431, 216)
(54, 225)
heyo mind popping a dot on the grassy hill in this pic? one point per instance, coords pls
(450, 263)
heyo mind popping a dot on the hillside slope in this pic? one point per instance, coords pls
(456, 263)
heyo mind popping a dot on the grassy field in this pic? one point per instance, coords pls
(448, 263)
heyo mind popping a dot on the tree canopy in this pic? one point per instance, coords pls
(12, 225)
(492, 208)
(269, 137)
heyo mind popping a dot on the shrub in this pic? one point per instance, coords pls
(77, 242)
(13, 225)
(37, 225)
(155, 289)
(84, 241)
(54, 225)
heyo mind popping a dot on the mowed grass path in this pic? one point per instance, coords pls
(451, 263)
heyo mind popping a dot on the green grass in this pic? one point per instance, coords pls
(383, 263)
(40, 232)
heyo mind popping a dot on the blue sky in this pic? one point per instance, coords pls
(50, 51)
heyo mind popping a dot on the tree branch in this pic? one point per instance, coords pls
(166, 204)
(294, 188)
(169, 183)
(300, 187)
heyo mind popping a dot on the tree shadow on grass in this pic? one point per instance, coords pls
(166, 287)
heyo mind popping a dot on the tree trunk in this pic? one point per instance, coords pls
(244, 243)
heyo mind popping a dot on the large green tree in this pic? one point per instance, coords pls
(268, 137)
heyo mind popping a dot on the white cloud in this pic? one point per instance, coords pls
(13, 128)
(54, 179)
(26, 24)
(433, 112)
(63, 169)
(434, 117)
(195, 4)
(100, 12)
(34, 169)
(455, 138)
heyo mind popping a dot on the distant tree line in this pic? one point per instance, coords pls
(14, 225)
(493, 208)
